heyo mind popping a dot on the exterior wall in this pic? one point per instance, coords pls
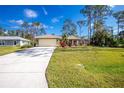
(74, 42)
(9, 42)
(22, 43)
(13, 43)
(47, 42)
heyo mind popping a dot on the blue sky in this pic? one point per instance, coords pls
(51, 16)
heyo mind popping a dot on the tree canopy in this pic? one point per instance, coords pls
(69, 28)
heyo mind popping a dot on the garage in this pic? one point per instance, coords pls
(48, 40)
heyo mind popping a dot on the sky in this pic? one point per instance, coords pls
(51, 16)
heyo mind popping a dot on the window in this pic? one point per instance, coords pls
(14, 42)
(2, 42)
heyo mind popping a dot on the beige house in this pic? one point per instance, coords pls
(53, 40)
(74, 41)
(48, 40)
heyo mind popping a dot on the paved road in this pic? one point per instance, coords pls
(25, 69)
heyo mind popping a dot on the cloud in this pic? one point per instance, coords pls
(30, 23)
(112, 6)
(60, 17)
(45, 26)
(44, 10)
(51, 27)
(15, 27)
(56, 19)
(30, 13)
(19, 22)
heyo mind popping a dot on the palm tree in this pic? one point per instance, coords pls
(36, 25)
(80, 24)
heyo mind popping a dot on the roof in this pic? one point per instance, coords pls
(12, 38)
(73, 37)
(55, 37)
(48, 37)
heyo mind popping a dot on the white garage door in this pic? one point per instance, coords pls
(47, 42)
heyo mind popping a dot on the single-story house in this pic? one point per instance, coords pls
(74, 41)
(13, 41)
(48, 40)
(53, 40)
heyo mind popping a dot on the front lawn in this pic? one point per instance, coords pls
(8, 49)
(86, 67)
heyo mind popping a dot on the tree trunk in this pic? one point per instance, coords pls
(118, 28)
(80, 31)
(89, 28)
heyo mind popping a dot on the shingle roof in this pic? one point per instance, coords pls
(48, 37)
(55, 37)
(12, 38)
(73, 37)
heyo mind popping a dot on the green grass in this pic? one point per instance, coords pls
(86, 67)
(8, 49)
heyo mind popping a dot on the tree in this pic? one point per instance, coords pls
(25, 26)
(110, 30)
(80, 24)
(69, 28)
(42, 30)
(119, 16)
(100, 13)
(121, 35)
(11, 32)
(38, 28)
(36, 25)
(87, 12)
(1, 31)
(95, 14)
(63, 41)
(30, 30)
(100, 38)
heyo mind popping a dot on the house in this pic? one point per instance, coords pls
(53, 40)
(48, 40)
(13, 41)
(74, 41)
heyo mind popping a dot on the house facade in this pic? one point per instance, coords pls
(74, 41)
(48, 40)
(53, 40)
(13, 41)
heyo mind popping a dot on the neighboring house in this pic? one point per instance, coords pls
(74, 41)
(13, 41)
(53, 40)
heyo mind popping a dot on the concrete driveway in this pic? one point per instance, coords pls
(25, 69)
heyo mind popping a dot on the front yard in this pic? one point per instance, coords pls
(86, 67)
(8, 49)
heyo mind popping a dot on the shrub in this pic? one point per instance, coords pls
(26, 46)
(100, 38)
(62, 43)
(114, 42)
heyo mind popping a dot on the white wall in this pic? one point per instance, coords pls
(22, 43)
